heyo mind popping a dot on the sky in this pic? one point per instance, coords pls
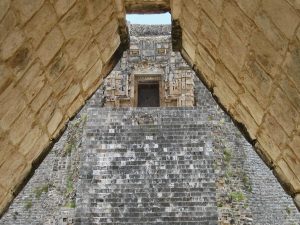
(164, 18)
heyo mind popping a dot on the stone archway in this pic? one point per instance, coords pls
(54, 55)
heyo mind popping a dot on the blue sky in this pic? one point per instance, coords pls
(164, 18)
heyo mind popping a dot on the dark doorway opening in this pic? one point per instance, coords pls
(148, 95)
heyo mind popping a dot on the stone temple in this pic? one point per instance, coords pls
(55, 54)
(152, 147)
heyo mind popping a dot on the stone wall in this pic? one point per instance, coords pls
(150, 59)
(247, 54)
(54, 54)
(245, 191)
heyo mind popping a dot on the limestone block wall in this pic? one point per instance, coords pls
(247, 54)
(53, 56)
(54, 53)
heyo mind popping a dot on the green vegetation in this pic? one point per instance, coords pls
(246, 182)
(228, 173)
(237, 196)
(288, 210)
(40, 190)
(68, 149)
(28, 204)
(220, 204)
(227, 155)
(71, 204)
(69, 187)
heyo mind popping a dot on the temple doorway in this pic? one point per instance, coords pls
(148, 94)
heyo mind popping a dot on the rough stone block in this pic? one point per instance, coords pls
(249, 7)
(291, 64)
(271, 32)
(232, 51)
(291, 91)
(30, 139)
(229, 78)
(12, 170)
(6, 149)
(62, 6)
(238, 21)
(206, 71)
(272, 127)
(21, 126)
(108, 52)
(41, 97)
(250, 103)
(87, 59)
(12, 104)
(4, 6)
(93, 75)
(96, 8)
(54, 121)
(107, 33)
(47, 110)
(225, 95)
(11, 43)
(76, 44)
(64, 81)
(208, 34)
(50, 46)
(257, 82)
(284, 112)
(37, 149)
(74, 22)
(68, 97)
(21, 60)
(292, 160)
(102, 20)
(189, 47)
(214, 10)
(295, 145)
(7, 24)
(41, 23)
(58, 65)
(32, 81)
(276, 9)
(189, 18)
(268, 147)
(75, 106)
(5, 77)
(287, 177)
(243, 116)
(265, 53)
(26, 8)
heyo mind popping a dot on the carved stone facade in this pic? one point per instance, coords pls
(150, 60)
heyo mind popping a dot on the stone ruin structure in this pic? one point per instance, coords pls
(150, 66)
(119, 164)
(54, 54)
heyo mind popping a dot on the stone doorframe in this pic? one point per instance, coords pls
(146, 79)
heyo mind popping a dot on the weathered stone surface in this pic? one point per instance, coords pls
(19, 44)
(8, 23)
(231, 49)
(4, 6)
(27, 8)
(62, 6)
(41, 23)
(11, 44)
(50, 46)
(276, 9)
(32, 81)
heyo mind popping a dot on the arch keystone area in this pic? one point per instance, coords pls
(55, 54)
